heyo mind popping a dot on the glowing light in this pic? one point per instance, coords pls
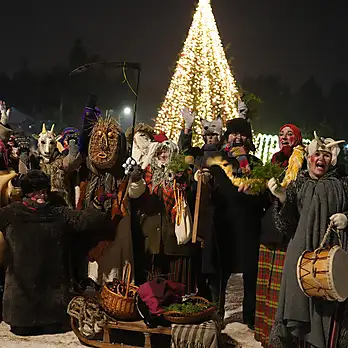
(127, 110)
(202, 79)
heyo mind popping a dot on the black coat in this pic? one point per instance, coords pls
(234, 243)
(37, 279)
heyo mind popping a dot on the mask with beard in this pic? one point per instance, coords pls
(163, 154)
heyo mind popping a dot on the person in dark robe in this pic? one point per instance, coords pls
(36, 237)
(303, 213)
(234, 244)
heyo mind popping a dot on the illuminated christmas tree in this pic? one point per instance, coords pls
(202, 79)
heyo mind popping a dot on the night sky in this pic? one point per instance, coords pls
(294, 39)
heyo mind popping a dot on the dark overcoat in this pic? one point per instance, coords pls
(37, 255)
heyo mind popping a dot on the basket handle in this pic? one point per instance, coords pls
(327, 234)
(126, 276)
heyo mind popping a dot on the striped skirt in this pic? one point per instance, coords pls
(271, 263)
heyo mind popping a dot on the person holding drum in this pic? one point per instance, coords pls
(310, 316)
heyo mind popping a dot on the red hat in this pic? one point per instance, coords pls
(296, 131)
(160, 138)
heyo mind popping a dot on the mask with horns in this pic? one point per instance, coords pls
(326, 145)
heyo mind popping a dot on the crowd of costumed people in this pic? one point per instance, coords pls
(80, 205)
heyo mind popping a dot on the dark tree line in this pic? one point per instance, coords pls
(54, 95)
(309, 108)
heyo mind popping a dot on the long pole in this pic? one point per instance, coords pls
(135, 111)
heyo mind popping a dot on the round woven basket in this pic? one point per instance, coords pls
(177, 317)
(116, 305)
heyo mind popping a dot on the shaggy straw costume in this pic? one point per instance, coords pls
(271, 258)
(163, 256)
(105, 145)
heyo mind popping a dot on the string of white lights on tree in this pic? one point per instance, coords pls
(202, 79)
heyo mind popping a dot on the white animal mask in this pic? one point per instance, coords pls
(142, 140)
(212, 127)
(325, 144)
(242, 109)
(46, 142)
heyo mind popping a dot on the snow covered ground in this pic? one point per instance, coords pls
(235, 333)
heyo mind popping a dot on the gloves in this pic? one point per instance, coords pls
(188, 117)
(132, 169)
(206, 176)
(23, 143)
(5, 115)
(340, 221)
(277, 190)
(73, 147)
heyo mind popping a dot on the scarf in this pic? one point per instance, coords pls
(33, 205)
(240, 155)
(163, 190)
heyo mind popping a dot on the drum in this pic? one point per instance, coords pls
(322, 273)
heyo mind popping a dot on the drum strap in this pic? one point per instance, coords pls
(327, 235)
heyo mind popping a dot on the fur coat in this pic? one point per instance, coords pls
(36, 258)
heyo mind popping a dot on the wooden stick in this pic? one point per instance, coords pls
(197, 206)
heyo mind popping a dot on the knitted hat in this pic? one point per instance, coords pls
(33, 181)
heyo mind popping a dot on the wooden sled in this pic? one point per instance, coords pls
(137, 326)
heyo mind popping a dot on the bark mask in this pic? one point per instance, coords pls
(104, 143)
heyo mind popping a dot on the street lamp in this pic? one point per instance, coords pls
(127, 110)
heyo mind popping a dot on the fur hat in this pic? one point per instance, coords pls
(241, 126)
(33, 181)
(325, 144)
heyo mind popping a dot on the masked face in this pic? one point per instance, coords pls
(163, 158)
(103, 144)
(39, 197)
(47, 143)
(287, 137)
(211, 139)
(319, 164)
(142, 140)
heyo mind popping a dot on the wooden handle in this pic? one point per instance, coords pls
(197, 206)
(127, 273)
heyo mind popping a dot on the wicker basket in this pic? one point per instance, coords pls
(177, 317)
(116, 305)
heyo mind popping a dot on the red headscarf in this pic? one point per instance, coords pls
(282, 157)
(296, 131)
